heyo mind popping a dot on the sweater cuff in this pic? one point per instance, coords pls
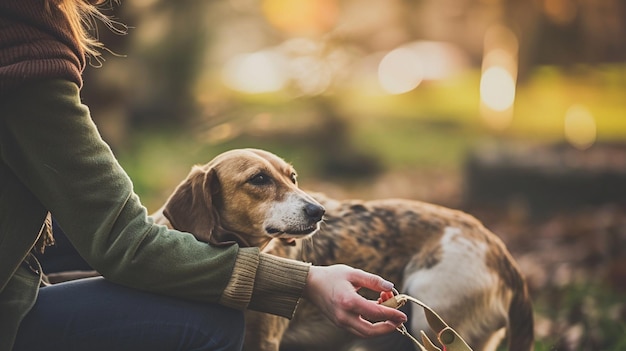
(239, 289)
(265, 283)
(279, 285)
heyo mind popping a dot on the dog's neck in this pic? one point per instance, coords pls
(228, 237)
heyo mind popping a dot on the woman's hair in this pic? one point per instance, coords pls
(81, 15)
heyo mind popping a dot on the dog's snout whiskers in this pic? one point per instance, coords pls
(308, 252)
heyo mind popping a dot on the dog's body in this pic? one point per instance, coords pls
(443, 257)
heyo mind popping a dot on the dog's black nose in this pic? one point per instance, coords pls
(314, 212)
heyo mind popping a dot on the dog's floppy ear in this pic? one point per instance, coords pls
(190, 208)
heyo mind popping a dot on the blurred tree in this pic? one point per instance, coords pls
(168, 64)
(567, 32)
(148, 76)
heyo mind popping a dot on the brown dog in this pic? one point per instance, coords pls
(445, 258)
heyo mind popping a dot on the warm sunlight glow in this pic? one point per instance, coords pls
(500, 58)
(301, 16)
(439, 60)
(311, 75)
(220, 133)
(500, 37)
(259, 72)
(580, 127)
(400, 71)
(496, 120)
(497, 88)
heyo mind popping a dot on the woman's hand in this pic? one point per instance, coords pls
(334, 290)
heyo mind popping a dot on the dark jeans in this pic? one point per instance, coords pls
(95, 314)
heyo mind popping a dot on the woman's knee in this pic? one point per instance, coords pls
(222, 329)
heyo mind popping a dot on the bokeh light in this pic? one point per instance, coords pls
(404, 68)
(301, 17)
(400, 71)
(498, 79)
(497, 88)
(259, 72)
(440, 60)
(580, 127)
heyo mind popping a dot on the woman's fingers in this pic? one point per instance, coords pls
(366, 329)
(362, 279)
(334, 290)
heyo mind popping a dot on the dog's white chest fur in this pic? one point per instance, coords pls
(462, 264)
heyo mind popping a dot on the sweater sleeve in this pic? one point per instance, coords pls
(53, 147)
(275, 289)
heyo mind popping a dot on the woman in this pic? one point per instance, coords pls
(53, 161)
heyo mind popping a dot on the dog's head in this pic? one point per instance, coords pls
(248, 196)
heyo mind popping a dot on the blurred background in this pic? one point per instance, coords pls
(511, 110)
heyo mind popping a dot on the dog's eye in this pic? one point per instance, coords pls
(260, 179)
(294, 178)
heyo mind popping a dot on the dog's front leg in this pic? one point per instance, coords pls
(263, 331)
